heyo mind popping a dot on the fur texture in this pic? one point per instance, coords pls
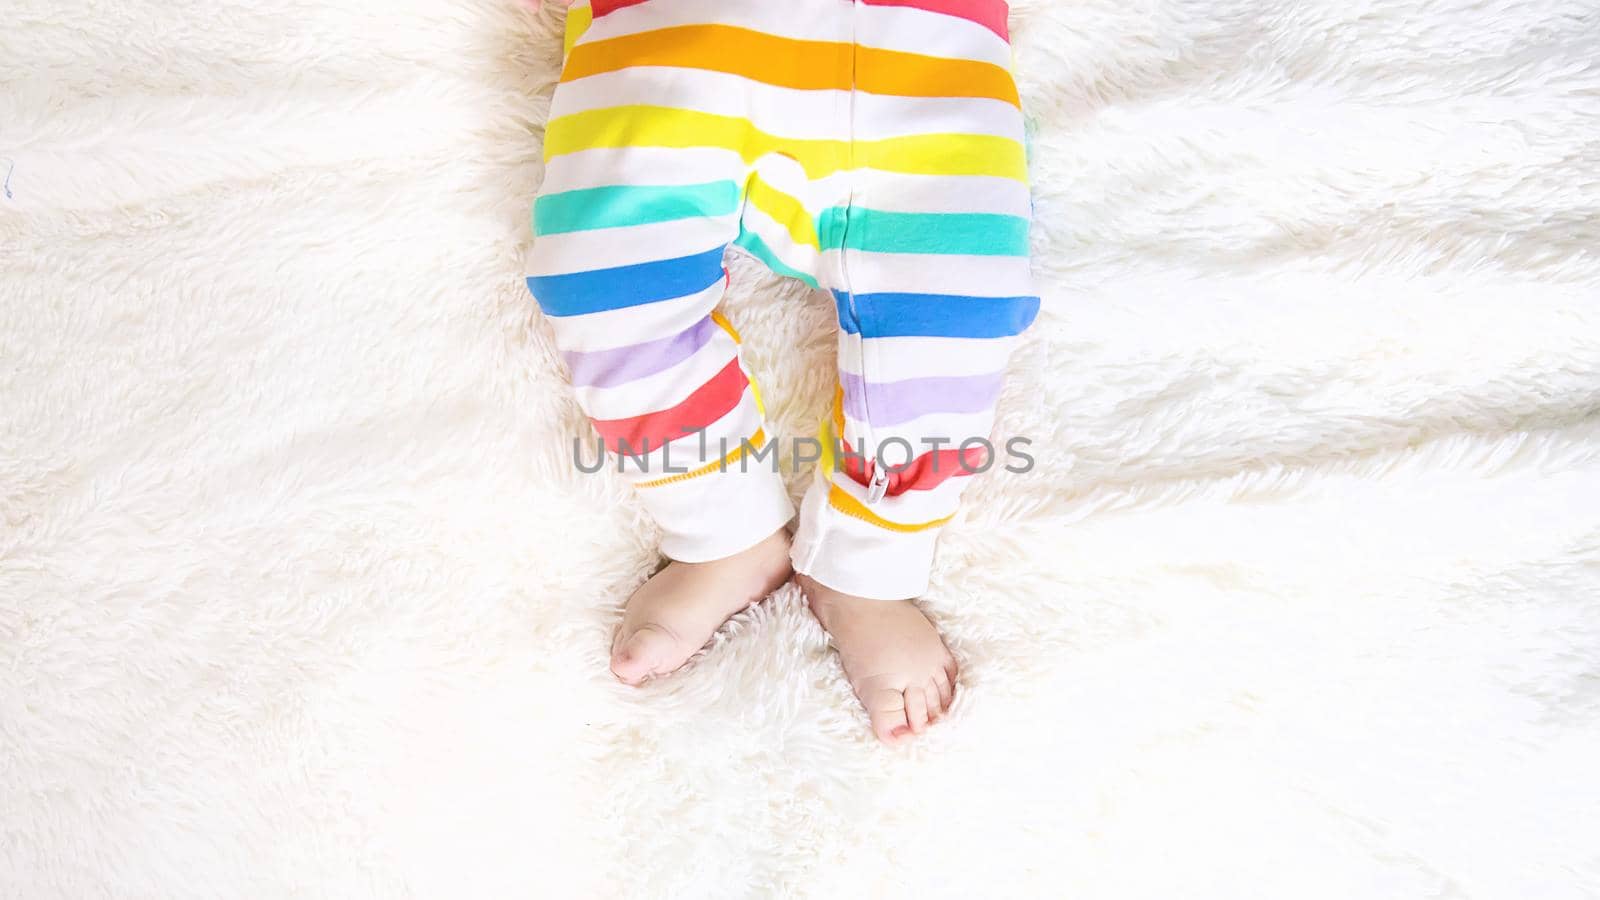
(299, 593)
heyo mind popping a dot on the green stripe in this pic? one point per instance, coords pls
(967, 234)
(758, 248)
(620, 206)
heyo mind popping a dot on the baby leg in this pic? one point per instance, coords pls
(932, 289)
(628, 268)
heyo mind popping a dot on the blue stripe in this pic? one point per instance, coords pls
(935, 315)
(605, 289)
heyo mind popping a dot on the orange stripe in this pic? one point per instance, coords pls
(790, 63)
(897, 74)
(725, 325)
(841, 500)
(756, 441)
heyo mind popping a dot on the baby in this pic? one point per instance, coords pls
(870, 148)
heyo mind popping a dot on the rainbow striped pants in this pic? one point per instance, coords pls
(869, 148)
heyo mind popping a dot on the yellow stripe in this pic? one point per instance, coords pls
(756, 441)
(829, 432)
(783, 209)
(841, 500)
(756, 394)
(660, 126)
(578, 19)
(664, 126)
(755, 390)
(797, 64)
(945, 154)
(825, 438)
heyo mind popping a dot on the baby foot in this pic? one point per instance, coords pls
(671, 616)
(896, 662)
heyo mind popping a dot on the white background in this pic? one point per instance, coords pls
(299, 593)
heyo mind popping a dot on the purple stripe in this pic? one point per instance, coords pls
(620, 365)
(895, 402)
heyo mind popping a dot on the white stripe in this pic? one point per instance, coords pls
(786, 175)
(901, 358)
(608, 248)
(918, 273)
(901, 192)
(788, 112)
(887, 191)
(952, 428)
(807, 20)
(884, 116)
(606, 166)
(784, 112)
(635, 324)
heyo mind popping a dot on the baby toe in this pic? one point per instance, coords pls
(635, 656)
(944, 690)
(916, 709)
(936, 705)
(886, 709)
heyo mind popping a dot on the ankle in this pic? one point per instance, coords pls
(760, 568)
(835, 608)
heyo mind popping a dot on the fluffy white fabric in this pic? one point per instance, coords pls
(300, 594)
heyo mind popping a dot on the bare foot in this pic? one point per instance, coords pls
(898, 665)
(671, 616)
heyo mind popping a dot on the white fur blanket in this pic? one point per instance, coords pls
(299, 593)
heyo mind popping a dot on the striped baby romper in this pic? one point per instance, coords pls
(869, 148)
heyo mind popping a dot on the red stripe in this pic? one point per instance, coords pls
(600, 7)
(924, 473)
(991, 14)
(710, 402)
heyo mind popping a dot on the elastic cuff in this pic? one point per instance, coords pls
(859, 558)
(716, 515)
